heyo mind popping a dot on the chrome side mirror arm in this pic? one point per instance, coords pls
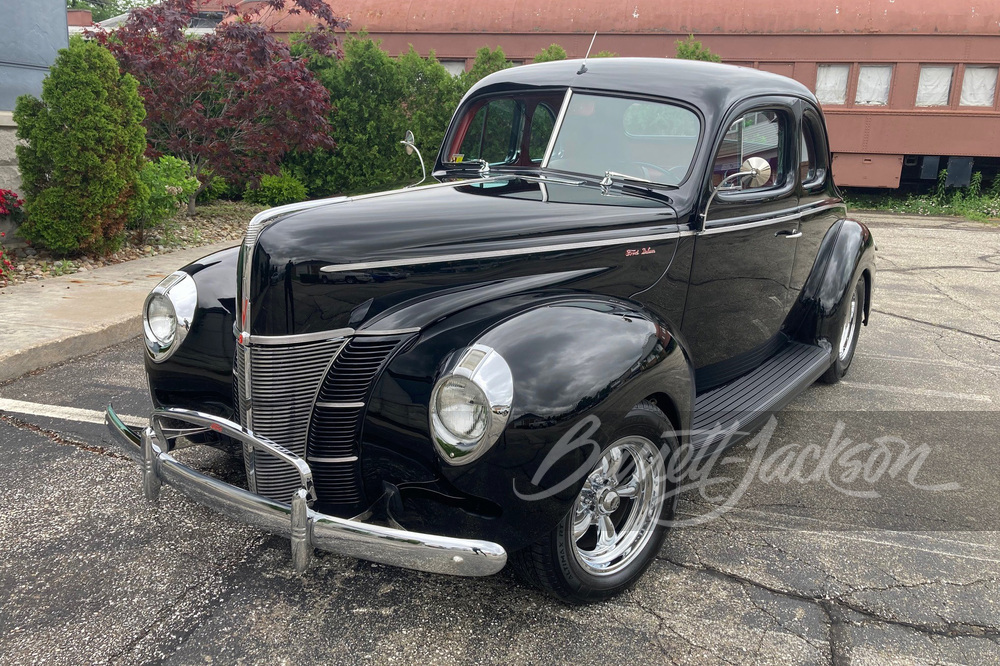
(411, 148)
(751, 173)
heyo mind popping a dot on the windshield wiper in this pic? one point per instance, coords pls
(612, 178)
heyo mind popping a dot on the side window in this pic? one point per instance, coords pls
(755, 141)
(542, 122)
(493, 134)
(812, 152)
(807, 155)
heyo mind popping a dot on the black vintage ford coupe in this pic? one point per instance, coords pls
(622, 259)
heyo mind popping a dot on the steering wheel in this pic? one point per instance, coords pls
(656, 173)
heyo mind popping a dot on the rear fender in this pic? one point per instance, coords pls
(846, 254)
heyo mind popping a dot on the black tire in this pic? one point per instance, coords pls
(842, 356)
(556, 563)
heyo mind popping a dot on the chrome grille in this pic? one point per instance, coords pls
(335, 432)
(276, 402)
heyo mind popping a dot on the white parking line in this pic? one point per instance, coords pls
(925, 361)
(906, 390)
(920, 541)
(64, 413)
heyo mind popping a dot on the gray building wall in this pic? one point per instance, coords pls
(31, 33)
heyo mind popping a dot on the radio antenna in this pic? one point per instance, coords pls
(583, 67)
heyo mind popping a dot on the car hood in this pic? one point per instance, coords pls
(342, 262)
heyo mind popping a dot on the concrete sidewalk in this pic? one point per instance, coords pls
(57, 319)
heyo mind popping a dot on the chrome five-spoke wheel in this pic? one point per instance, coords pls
(616, 523)
(618, 508)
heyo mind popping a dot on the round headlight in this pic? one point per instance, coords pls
(168, 313)
(462, 408)
(161, 318)
(470, 404)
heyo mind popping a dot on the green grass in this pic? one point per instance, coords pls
(970, 202)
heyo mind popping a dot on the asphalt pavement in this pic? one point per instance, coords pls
(861, 528)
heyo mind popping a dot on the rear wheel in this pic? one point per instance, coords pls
(847, 337)
(616, 525)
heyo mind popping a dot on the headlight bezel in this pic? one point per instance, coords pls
(181, 292)
(487, 370)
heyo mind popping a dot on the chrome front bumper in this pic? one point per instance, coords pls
(306, 528)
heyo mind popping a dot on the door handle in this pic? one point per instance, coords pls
(788, 234)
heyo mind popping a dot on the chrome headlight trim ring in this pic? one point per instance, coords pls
(182, 292)
(488, 370)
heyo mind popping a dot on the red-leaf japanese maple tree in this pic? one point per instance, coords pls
(231, 102)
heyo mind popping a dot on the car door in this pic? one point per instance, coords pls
(738, 295)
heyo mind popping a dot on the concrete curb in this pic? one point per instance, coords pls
(56, 320)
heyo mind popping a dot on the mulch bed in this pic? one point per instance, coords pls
(213, 223)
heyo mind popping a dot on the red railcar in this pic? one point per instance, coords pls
(909, 87)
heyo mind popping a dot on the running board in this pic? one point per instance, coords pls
(728, 413)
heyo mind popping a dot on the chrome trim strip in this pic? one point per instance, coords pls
(325, 335)
(345, 459)
(490, 254)
(300, 337)
(339, 405)
(388, 331)
(774, 220)
(556, 128)
(307, 529)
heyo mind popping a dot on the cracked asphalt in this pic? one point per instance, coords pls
(887, 550)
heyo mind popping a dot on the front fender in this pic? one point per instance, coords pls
(579, 363)
(199, 375)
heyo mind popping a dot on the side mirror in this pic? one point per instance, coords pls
(411, 148)
(756, 170)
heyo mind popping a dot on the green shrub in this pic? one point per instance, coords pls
(553, 52)
(276, 190)
(83, 152)
(691, 49)
(218, 188)
(169, 186)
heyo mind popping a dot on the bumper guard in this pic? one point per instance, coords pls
(306, 528)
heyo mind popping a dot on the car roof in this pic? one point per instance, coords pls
(707, 85)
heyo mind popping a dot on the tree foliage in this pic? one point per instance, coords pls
(487, 62)
(83, 151)
(232, 102)
(431, 94)
(552, 52)
(691, 49)
(376, 98)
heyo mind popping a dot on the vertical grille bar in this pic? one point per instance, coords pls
(335, 431)
(277, 402)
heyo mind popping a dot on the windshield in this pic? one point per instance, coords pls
(646, 140)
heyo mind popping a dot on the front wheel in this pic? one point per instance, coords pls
(617, 523)
(847, 337)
